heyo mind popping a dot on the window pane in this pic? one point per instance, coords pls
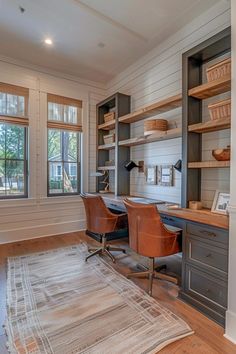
(69, 146)
(14, 141)
(62, 113)
(70, 114)
(2, 177)
(2, 140)
(70, 178)
(55, 178)
(14, 180)
(54, 145)
(3, 103)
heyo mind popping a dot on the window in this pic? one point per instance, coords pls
(13, 141)
(64, 138)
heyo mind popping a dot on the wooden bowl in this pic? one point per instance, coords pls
(221, 154)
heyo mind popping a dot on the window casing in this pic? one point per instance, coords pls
(13, 142)
(64, 146)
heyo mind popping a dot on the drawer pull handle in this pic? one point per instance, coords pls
(209, 255)
(208, 233)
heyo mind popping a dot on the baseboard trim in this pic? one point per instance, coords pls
(230, 329)
(28, 233)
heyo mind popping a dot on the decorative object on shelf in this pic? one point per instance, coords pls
(178, 166)
(105, 181)
(131, 164)
(195, 205)
(219, 70)
(109, 116)
(165, 175)
(173, 206)
(220, 109)
(110, 163)
(151, 174)
(221, 202)
(109, 138)
(152, 126)
(222, 154)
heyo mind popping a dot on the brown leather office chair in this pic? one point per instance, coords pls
(101, 220)
(149, 237)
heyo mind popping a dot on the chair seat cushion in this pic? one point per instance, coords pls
(173, 228)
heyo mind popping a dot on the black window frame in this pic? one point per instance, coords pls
(25, 160)
(62, 162)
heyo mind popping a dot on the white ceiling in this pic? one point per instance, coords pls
(127, 28)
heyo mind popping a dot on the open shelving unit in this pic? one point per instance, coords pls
(120, 104)
(194, 91)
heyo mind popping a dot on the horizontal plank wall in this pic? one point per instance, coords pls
(39, 215)
(156, 76)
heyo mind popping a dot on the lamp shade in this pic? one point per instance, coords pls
(178, 165)
(130, 165)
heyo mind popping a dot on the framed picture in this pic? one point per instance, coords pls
(221, 203)
(151, 174)
(165, 175)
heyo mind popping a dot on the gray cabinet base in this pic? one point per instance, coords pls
(205, 310)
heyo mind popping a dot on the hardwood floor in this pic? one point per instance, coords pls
(208, 337)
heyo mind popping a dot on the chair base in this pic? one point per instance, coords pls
(151, 273)
(104, 250)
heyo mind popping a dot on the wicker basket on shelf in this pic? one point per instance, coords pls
(219, 70)
(220, 109)
(152, 126)
(109, 116)
(109, 139)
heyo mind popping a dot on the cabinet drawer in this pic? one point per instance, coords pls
(207, 256)
(208, 233)
(206, 288)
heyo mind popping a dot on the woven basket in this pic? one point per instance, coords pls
(219, 70)
(152, 126)
(220, 110)
(109, 116)
(109, 139)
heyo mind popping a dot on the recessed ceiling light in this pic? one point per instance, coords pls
(48, 41)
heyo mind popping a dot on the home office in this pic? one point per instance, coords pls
(117, 169)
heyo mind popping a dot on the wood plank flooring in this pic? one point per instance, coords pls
(208, 337)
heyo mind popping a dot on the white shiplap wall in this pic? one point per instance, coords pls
(159, 75)
(38, 215)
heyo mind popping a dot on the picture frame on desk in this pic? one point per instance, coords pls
(220, 203)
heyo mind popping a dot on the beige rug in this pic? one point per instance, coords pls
(59, 304)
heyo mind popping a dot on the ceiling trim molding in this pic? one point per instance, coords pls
(110, 20)
(56, 74)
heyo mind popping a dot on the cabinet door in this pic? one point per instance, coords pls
(207, 289)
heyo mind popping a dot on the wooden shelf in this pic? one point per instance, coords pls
(169, 134)
(108, 125)
(106, 146)
(209, 164)
(212, 88)
(153, 109)
(106, 168)
(210, 126)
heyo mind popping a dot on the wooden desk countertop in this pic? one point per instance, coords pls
(203, 216)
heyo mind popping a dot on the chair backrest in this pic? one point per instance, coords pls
(147, 234)
(99, 219)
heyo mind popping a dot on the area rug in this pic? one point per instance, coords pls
(59, 304)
